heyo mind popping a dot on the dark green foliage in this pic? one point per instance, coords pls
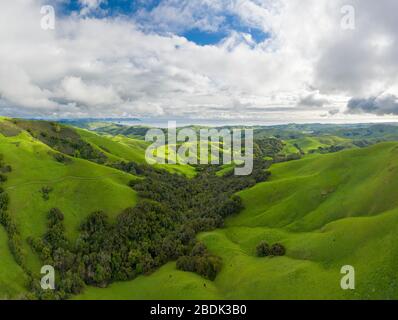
(278, 250)
(200, 262)
(263, 249)
(3, 178)
(45, 192)
(162, 227)
(61, 158)
(267, 147)
(54, 249)
(6, 169)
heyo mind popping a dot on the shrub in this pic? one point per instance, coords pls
(278, 250)
(45, 192)
(208, 266)
(200, 262)
(263, 249)
(59, 157)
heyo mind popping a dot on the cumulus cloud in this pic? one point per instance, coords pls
(75, 90)
(141, 65)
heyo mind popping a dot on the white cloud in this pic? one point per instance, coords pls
(74, 89)
(89, 6)
(309, 66)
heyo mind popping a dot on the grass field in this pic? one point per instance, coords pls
(328, 210)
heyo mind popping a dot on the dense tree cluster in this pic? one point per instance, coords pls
(160, 228)
(267, 147)
(200, 262)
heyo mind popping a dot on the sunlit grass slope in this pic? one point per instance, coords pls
(12, 278)
(165, 283)
(121, 148)
(78, 188)
(328, 210)
(313, 143)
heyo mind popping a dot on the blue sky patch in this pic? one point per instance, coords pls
(113, 8)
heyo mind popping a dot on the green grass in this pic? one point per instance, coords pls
(121, 148)
(309, 143)
(79, 188)
(328, 210)
(165, 283)
(12, 278)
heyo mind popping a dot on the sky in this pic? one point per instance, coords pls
(265, 60)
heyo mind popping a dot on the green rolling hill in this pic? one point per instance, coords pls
(78, 189)
(328, 210)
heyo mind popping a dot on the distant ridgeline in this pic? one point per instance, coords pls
(294, 139)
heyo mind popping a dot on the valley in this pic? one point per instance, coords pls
(330, 200)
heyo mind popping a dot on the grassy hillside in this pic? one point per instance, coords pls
(165, 283)
(39, 154)
(122, 148)
(78, 188)
(328, 210)
(12, 278)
